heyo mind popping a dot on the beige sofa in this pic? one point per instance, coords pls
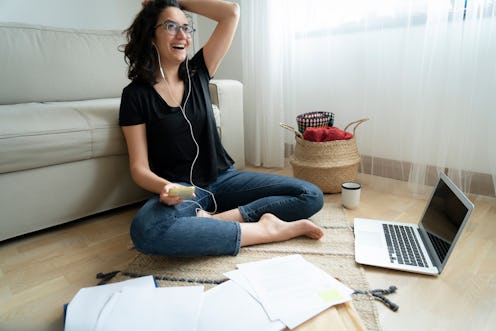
(62, 153)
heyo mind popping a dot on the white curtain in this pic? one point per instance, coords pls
(422, 71)
(264, 50)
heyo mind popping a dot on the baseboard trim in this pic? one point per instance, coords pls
(480, 183)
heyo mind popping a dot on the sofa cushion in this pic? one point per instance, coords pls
(101, 117)
(59, 64)
(217, 119)
(40, 134)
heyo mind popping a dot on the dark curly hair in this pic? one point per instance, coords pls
(139, 52)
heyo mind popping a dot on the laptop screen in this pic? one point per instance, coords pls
(445, 216)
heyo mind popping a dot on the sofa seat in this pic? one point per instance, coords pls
(64, 131)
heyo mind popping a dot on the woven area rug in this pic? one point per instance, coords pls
(334, 253)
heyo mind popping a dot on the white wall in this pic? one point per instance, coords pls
(84, 14)
(231, 67)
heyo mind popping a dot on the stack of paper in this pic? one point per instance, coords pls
(266, 295)
(290, 289)
(135, 304)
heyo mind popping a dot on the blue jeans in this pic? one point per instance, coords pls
(176, 230)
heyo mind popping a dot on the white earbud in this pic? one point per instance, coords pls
(162, 72)
(159, 64)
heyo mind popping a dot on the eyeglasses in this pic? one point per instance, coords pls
(172, 28)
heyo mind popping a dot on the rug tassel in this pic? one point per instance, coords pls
(106, 277)
(380, 294)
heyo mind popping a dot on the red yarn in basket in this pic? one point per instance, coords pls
(326, 133)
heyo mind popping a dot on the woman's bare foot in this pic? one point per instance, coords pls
(232, 215)
(272, 229)
(203, 213)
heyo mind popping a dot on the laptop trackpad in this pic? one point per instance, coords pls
(370, 239)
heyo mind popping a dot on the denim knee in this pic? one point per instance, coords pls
(140, 237)
(289, 198)
(314, 199)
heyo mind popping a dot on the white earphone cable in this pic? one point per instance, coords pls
(183, 111)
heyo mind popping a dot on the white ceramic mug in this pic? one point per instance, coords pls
(350, 194)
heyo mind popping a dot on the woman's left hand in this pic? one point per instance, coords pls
(167, 199)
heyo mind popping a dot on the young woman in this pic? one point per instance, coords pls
(167, 119)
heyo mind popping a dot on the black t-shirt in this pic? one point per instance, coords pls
(171, 149)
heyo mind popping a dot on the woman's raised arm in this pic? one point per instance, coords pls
(226, 14)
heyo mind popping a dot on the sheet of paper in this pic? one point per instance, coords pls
(239, 278)
(84, 309)
(229, 307)
(153, 309)
(292, 289)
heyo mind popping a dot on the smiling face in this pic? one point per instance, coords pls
(173, 48)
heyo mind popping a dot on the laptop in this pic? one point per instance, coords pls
(423, 248)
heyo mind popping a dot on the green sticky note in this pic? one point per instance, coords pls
(330, 295)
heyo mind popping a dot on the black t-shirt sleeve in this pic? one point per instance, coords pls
(131, 110)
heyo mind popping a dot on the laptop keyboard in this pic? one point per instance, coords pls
(403, 245)
(441, 246)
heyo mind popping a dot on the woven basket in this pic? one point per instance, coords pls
(326, 164)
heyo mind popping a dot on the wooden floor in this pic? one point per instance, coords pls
(42, 271)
